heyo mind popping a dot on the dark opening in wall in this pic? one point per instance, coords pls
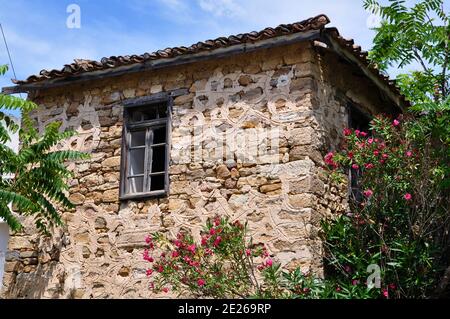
(358, 120)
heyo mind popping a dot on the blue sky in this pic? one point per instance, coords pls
(39, 38)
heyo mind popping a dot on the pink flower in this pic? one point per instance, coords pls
(217, 222)
(178, 243)
(175, 254)
(385, 156)
(370, 141)
(269, 262)
(376, 152)
(217, 241)
(396, 123)
(369, 166)
(248, 252)
(149, 272)
(338, 289)
(385, 293)
(329, 158)
(357, 132)
(201, 282)
(191, 248)
(355, 282)
(409, 154)
(212, 231)
(407, 197)
(208, 251)
(347, 132)
(187, 259)
(148, 239)
(368, 193)
(147, 257)
(160, 269)
(392, 286)
(364, 134)
(350, 155)
(204, 241)
(165, 290)
(355, 166)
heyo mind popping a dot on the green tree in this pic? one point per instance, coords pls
(410, 36)
(33, 181)
(402, 221)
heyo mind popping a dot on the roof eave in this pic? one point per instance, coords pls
(359, 58)
(165, 63)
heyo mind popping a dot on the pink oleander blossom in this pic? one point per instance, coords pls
(191, 248)
(217, 241)
(368, 193)
(201, 282)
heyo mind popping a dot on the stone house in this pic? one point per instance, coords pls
(235, 126)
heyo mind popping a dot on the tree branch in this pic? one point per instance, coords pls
(420, 60)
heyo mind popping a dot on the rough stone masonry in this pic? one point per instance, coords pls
(300, 89)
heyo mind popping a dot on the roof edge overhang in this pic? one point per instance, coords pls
(353, 54)
(165, 63)
(330, 36)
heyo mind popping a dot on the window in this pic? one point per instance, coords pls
(358, 120)
(145, 152)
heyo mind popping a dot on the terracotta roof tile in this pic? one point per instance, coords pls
(82, 66)
(316, 23)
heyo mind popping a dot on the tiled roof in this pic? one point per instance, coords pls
(83, 66)
(362, 56)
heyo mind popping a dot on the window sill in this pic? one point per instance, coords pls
(155, 194)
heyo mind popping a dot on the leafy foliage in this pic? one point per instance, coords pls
(400, 220)
(33, 181)
(414, 35)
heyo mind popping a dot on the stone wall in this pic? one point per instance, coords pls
(98, 253)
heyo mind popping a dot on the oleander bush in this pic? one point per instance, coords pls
(399, 216)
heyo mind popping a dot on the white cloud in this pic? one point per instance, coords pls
(221, 7)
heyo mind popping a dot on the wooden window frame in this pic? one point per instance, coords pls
(149, 126)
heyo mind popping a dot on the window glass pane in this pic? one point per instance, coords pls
(137, 160)
(136, 185)
(162, 110)
(136, 116)
(157, 182)
(137, 138)
(159, 159)
(149, 113)
(146, 113)
(159, 135)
